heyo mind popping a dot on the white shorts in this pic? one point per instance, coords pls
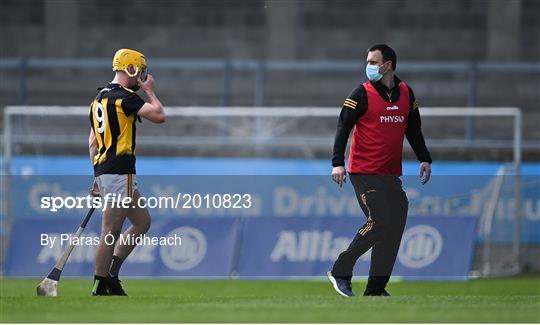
(124, 185)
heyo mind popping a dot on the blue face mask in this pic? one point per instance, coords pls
(372, 72)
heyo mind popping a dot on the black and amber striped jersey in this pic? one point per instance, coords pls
(113, 114)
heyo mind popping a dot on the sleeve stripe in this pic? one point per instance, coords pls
(351, 101)
(349, 105)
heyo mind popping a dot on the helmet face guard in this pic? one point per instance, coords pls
(143, 74)
(127, 57)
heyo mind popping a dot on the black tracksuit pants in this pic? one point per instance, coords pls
(385, 204)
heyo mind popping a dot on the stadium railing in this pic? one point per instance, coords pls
(260, 67)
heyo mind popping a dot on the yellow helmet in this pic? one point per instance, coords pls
(126, 57)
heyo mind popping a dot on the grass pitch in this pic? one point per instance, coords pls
(485, 300)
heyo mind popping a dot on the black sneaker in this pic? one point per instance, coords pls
(341, 285)
(115, 286)
(382, 293)
(100, 287)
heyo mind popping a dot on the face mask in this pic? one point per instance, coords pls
(372, 72)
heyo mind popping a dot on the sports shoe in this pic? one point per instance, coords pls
(341, 285)
(382, 293)
(115, 287)
(100, 287)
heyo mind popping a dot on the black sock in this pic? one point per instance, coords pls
(116, 263)
(99, 284)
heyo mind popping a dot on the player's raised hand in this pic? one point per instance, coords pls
(339, 175)
(425, 172)
(147, 84)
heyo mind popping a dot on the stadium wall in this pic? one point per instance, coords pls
(262, 29)
(456, 31)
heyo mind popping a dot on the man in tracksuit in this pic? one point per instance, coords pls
(382, 111)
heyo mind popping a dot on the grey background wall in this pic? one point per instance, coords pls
(273, 29)
(420, 31)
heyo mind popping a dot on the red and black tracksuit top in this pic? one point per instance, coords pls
(381, 119)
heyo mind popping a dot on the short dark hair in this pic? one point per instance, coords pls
(387, 53)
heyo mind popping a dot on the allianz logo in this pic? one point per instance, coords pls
(392, 119)
(188, 255)
(308, 246)
(420, 246)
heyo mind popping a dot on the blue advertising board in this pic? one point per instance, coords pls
(206, 248)
(301, 196)
(436, 247)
